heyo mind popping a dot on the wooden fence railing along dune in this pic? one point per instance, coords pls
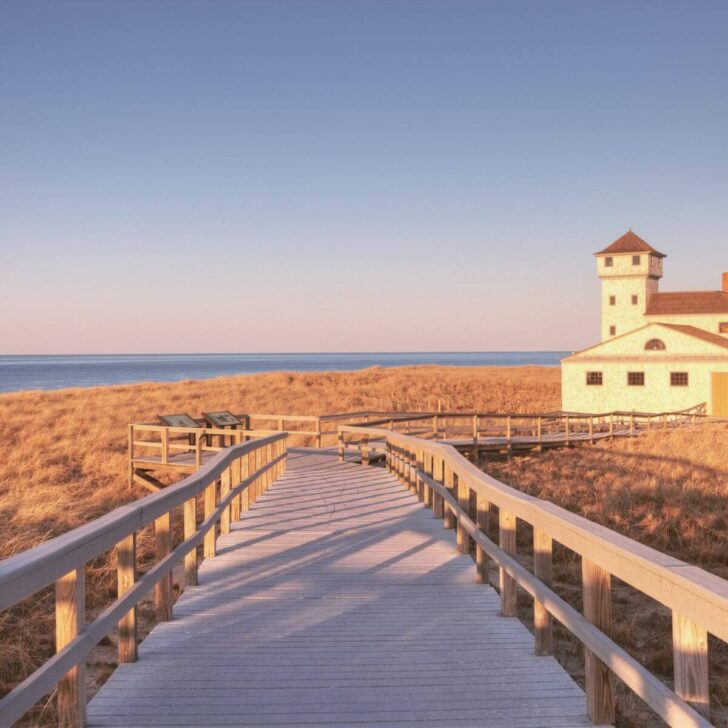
(230, 483)
(444, 480)
(161, 447)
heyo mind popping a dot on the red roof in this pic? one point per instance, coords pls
(687, 302)
(699, 334)
(630, 243)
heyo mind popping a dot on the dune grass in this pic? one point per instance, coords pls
(65, 462)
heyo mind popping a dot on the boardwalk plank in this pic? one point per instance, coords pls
(338, 600)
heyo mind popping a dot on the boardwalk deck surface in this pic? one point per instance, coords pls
(339, 600)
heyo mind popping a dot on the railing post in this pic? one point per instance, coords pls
(539, 432)
(416, 460)
(566, 429)
(319, 437)
(224, 490)
(591, 430)
(542, 568)
(427, 466)
(244, 473)
(70, 619)
(631, 425)
(437, 474)
(475, 435)
(163, 588)
(235, 480)
(463, 496)
(364, 449)
(165, 445)
(690, 658)
(126, 575)
(434, 428)
(482, 566)
(190, 527)
(130, 449)
(449, 519)
(596, 584)
(507, 538)
(341, 447)
(210, 536)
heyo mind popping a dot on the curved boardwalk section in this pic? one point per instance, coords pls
(339, 600)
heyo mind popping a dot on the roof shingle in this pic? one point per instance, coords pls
(699, 334)
(687, 302)
(630, 243)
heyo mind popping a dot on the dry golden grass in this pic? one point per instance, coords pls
(64, 463)
(668, 490)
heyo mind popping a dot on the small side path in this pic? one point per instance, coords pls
(339, 600)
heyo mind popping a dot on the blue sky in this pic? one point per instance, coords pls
(343, 176)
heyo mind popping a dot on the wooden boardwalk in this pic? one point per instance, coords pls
(339, 600)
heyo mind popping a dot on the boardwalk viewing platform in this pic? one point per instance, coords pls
(320, 589)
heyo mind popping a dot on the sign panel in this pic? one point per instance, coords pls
(180, 420)
(222, 419)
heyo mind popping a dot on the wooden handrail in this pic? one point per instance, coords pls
(62, 560)
(698, 600)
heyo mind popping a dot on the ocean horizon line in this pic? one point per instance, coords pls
(20, 372)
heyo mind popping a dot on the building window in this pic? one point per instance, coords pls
(612, 300)
(608, 262)
(678, 379)
(636, 259)
(655, 345)
(634, 300)
(723, 327)
(594, 378)
(636, 379)
(612, 330)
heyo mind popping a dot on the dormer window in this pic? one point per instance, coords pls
(612, 330)
(655, 345)
(636, 259)
(608, 261)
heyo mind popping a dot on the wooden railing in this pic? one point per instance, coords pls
(564, 426)
(230, 482)
(443, 479)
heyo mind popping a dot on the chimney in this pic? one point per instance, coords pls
(725, 282)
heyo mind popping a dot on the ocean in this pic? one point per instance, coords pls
(55, 372)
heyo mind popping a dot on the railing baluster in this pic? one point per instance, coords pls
(542, 568)
(596, 583)
(507, 533)
(126, 573)
(690, 657)
(70, 619)
(163, 588)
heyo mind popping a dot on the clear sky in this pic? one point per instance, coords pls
(349, 176)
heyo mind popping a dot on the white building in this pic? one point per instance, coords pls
(660, 352)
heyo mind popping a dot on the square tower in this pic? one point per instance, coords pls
(630, 270)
